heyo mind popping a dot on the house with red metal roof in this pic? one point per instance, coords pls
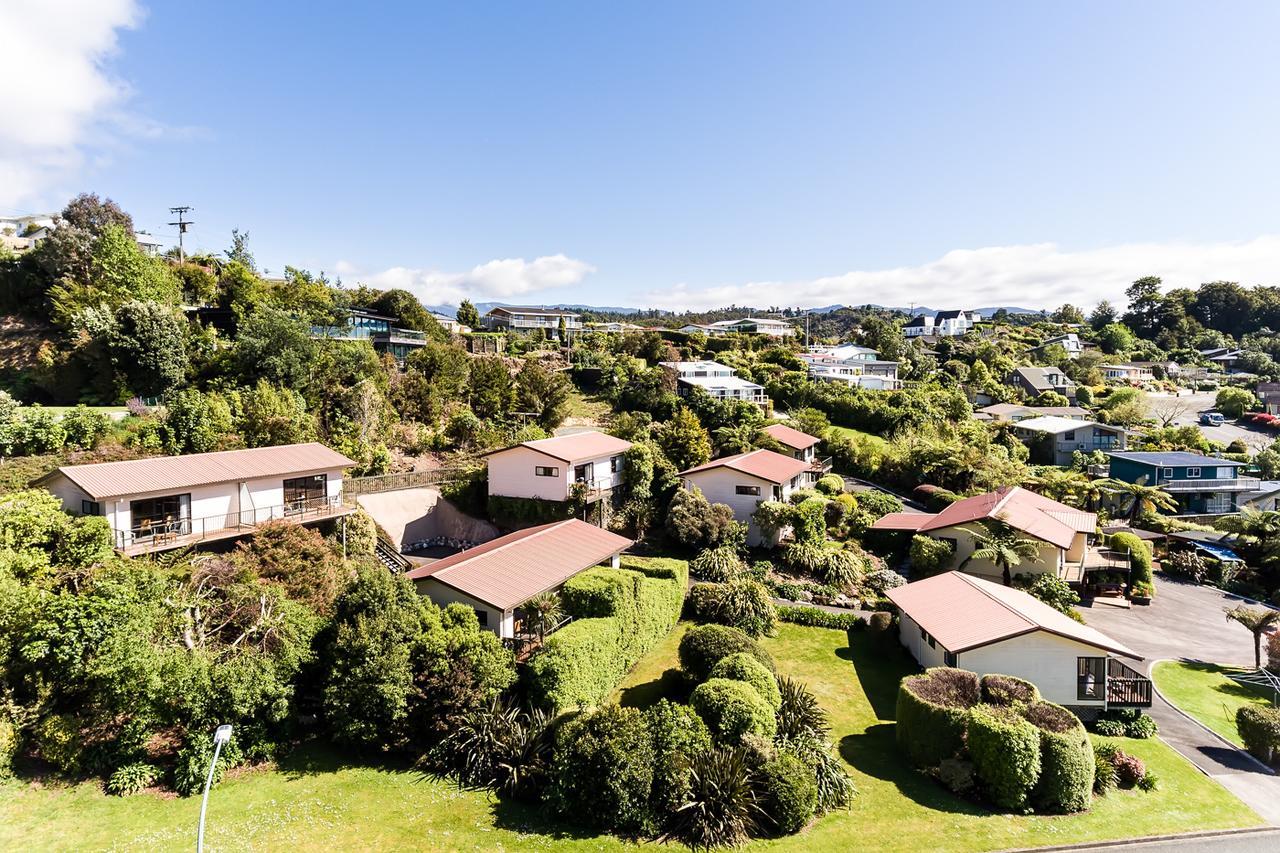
(549, 468)
(496, 578)
(958, 620)
(743, 480)
(167, 502)
(1063, 533)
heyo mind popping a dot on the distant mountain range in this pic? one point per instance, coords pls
(485, 307)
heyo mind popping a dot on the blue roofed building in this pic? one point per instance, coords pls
(1202, 485)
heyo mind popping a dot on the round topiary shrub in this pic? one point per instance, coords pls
(702, 647)
(602, 770)
(1005, 750)
(1006, 690)
(932, 713)
(1259, 728)
(1066, 760)
(732, 709)
(743, 667)
(788, 792)
(679, 737)
(830, 484)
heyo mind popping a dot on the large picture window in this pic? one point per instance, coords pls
(305, 492)
(1091, 678)
(170, 514)
(747, 490)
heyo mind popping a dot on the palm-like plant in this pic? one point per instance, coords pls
(1258, 622)
(1141, 497)
(1000, 544)
(721, 807)
(1059, 485)
(1261, 527)
(736, 438)
(543, 612)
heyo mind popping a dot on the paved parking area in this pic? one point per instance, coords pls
(1198, 402)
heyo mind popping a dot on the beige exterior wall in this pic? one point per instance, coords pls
(502, 624)
(1051, 558)
(719, 485)
(513, 474)
(1046, 660)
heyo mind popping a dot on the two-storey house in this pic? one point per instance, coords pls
(743, 480)
(1202, 485)
(1052, 440)
(945, 324)
(549, 468)
(718, 380)
(379, 330)
(1069, 342)
(851, 365)
(518, 318)
(1034, 381)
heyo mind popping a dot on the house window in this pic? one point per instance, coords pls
(615, 464)
(933, 644)
(923, 634)
(546, 471)
(482, 616)
(90, 508)
(1193, 473)
(168, 514)
(1167, 473)
(747, 490)
(1091, 678)
(949, 658)
(1070, 435)
(305, 492)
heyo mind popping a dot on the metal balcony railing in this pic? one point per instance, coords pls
(154, 535)
(1235, 484)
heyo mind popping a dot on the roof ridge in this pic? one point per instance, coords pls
(972, 581)
(188, 456)
(546, 528)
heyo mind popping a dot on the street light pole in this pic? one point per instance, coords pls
(221, 736)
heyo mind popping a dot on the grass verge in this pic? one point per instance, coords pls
(1203, 691)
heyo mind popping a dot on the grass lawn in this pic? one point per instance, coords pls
(587, 410)
(1203, 691)
(879, 444)
(315, 801)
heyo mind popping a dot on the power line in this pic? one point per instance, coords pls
(182, 229)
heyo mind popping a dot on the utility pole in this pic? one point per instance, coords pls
(182, 229)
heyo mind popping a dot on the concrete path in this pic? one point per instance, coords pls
(1265, 841)
(1187, 622)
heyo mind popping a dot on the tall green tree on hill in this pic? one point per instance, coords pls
(1145, 306)
(467, 314)
(148, 346)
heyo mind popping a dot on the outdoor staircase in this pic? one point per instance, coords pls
(387, 553)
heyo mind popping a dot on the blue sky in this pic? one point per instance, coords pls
(688, 154)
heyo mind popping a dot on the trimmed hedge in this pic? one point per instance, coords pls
(1005, 749)
(814, 617)
(1140, 555)
(1006, 689)
(703, 646)
(1066, 760)
(743, 667)
(1259, 728)
(602, 768)
(789, 793)
(932, 715)
(619, 614)
(732, 709)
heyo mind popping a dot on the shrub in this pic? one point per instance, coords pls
(830, 484)
(718, 565)
(732, 709)
(1129, 769)
(1142, 728)
(745, 603)
(788, 792)
(1259, 728)
(1066, 760)
(1139, 553)
(1006, 690)
(602, 770)
(1104, 771)
(1109, 728)
(619, 615)
(835, 788)
(702, 647)
(932, 714)
(957, 776)
(1005, 750)
(721, 808)
(679, 737)
(132, 778)
(843, 568)
(1187, 564)
(882, 580)
(814, 617)
(928, 556)
(192, 766)
(807, 557)
(879, 623)
(743, 667)
(1149, 782)
(57, 738)
(799, 714)
(499, 745)
(8, 746)
(1055, 592)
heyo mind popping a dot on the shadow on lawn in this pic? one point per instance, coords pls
(311, 759)
(670, 685)
(534, 819)
(875, 752)
(880, 666)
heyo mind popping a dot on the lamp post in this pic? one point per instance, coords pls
(221, 736)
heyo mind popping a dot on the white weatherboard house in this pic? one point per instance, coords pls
(716, 379)
(1054, 439)
(744, 480)
(496, 578)
(958, 620)
(548, 468)
(172, 501)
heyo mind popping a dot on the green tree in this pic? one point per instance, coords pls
(1102, 316)
(275, 345)
(1001, 545)
(189, 424)
(491, 389)
(1258, 622)
(267, 415)
(408, 309)
(1115, 338)
(1068, 313)
(542, 392)
(1234, 402)
(1145, 306)
(684, 440)
(1141, 498)
(149, 346)
(239, 251)
(467, 315)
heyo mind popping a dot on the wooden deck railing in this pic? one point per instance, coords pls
(1126, 687)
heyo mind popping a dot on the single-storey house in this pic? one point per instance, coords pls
(1128, 372)
(999, 412)
(1053, 440)
(1034, 381)
(1202, 485)
(496, 578)
(170, 502)
(961, 621)
(549, 468)
(1062, 532)
(1070, 343)
(1265, 498)
(744, 480)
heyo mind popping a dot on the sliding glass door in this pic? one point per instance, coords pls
(302, 493)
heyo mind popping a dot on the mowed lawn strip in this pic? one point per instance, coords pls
(1205, 692)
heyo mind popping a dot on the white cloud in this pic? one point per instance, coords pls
(497, 279)
(1037, 276)
(56, 91)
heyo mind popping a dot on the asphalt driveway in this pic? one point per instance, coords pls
(1188, 622)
